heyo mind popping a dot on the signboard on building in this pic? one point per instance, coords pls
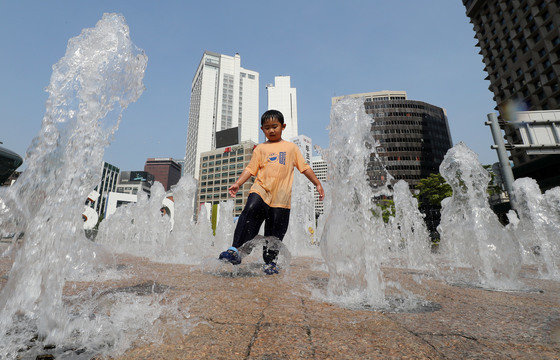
(540, 131)
(227, 137)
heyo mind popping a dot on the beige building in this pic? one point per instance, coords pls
(219, 169)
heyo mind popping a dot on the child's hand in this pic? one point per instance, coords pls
(321, 192)
(233, 189)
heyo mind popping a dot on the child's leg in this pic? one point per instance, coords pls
(276, 225)
(250, 220)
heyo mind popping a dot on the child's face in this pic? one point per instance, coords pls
(272, 129)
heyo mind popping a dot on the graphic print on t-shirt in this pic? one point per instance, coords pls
(280, 157)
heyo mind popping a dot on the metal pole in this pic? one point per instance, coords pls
(502, 154)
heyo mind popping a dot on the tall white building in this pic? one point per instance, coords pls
(107, 183)
(320, 169)
(282, 97)
(223, 96)
(304, 144)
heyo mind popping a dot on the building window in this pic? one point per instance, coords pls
(537, 38)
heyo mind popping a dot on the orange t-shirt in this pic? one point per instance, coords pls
(273, 165)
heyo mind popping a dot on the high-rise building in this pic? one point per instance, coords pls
(223, 96)
(519, 41)
(319, 167)
(165, 170)
(282, 97)
(219, 169)
(107, 183)
(413, 136)
(304, 144)
(181, 163)
(132, 182)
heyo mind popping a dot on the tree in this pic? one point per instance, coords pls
(493, 186)
(387, 207)
(432, 190)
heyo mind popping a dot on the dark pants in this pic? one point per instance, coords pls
(255, 212)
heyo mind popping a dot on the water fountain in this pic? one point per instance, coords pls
(349, 242)
(98, 77)
(137, 228)
(299, 237)
(225, 226)
(410, 229)
(471, 235)
(538, 226)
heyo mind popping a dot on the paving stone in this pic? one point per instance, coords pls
(236, 316)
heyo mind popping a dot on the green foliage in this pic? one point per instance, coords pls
(493, 188)
(99, 220)
(387, 208)
(432, 190)
(214, 218)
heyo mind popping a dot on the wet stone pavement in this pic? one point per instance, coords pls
(248, 315)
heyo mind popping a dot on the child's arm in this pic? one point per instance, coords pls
(313, 178)
(245, 175)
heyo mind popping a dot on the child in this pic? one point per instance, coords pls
(269, 199)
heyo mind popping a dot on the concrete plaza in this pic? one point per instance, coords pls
(248, 315)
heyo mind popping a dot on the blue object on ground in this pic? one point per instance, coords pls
(270, 269)
(231, 255)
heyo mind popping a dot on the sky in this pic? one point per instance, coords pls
(329, 48)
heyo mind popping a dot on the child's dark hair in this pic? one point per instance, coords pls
(272, 114)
